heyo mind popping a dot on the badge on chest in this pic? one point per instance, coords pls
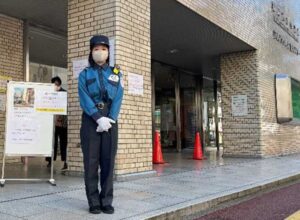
(114, 79)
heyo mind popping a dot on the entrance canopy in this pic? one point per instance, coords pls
(184, 39)
(48, 28)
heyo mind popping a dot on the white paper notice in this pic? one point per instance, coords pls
(51, 102)
(111, 51)
(2, 102)
(24, 126)
(205, 118)
(239, 105)
(135, 84)
(78, 66)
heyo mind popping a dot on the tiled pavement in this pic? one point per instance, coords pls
(179, 183)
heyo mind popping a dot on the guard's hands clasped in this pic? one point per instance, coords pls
(104, 124)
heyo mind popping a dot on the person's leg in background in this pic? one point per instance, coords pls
(48, 159)
(24, 160)
(55, 144)
(63, 138)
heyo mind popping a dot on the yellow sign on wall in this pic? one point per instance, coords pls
(3, 83)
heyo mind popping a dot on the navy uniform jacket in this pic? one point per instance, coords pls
(90, 94)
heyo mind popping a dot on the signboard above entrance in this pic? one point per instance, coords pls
(285, 23)
(281, 19)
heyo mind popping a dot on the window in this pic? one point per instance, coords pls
(296, 99)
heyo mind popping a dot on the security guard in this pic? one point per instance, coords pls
(100, 91)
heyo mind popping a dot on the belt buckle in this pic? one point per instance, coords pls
(100, 106)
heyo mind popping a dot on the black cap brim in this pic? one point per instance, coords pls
(100, 43)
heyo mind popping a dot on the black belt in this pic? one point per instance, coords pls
(103, 106)
(100, 105)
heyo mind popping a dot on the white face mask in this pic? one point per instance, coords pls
(100, 56)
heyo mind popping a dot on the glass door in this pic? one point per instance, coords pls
(165, 117)
(187, 110)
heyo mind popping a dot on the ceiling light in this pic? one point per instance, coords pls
(173, 51)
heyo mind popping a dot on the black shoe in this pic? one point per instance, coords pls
(95, 209)
(108, 209)
(65, 167)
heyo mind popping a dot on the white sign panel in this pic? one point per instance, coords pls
(284, 98)
(2, 102)
(51, 102)
(28, 133)
(78, 66)
(135, 84)
(239, 105)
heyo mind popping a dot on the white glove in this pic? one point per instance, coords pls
(104, 123)
(99, 129)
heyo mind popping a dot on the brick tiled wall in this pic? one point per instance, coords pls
(133, 55)
(239, 75)
(85, 19)
(11, 61)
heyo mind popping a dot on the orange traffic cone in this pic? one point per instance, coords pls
(157, 153)
(198, 154)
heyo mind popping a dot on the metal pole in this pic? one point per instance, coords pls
(26, 50)
(2, 180)
(51, 180)
(177, 107)
(26, 61)
(153, 102)
(216, 113)
(200, 99)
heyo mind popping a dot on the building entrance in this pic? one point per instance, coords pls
(183, 106)
(186, 51)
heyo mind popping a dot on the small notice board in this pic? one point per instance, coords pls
(29, 119)
(28, 132)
